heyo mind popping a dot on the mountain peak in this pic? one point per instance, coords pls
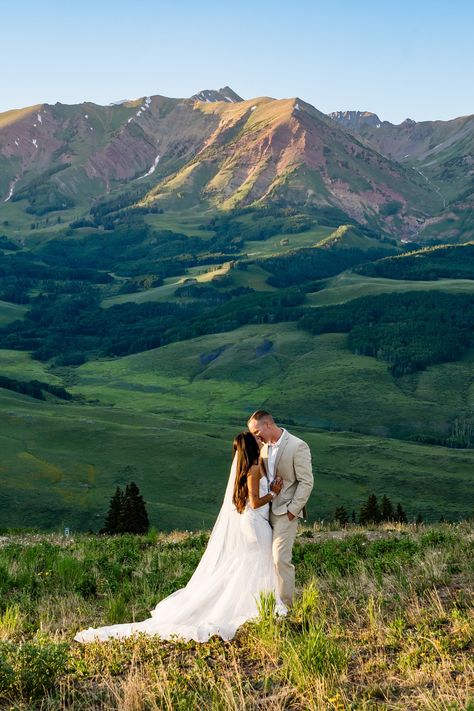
(353, 119)
(212, 95)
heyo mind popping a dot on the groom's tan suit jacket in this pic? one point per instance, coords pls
(293, 465)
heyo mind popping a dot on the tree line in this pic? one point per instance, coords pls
(34, 388)
(373, 511)
(409, 331)
(430, 264)
(310, 263)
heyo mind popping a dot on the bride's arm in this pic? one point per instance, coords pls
(253, 482)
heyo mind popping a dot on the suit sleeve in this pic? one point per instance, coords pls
(304, 476)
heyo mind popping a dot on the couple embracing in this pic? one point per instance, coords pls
(250, 547)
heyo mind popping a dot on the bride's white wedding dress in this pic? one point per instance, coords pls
(224, 591)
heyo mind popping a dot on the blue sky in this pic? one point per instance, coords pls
(401, 59)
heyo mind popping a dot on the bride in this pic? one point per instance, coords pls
(235, 569)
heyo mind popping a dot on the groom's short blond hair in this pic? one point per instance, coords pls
(260, 415)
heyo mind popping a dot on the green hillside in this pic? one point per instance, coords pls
(429, 264)
(61, 464)
(168, 330)
(166, 418)
(348, 286)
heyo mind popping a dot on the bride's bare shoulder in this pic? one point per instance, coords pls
(254, 471)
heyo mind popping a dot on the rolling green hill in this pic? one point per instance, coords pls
(60, 466)
(166, 418)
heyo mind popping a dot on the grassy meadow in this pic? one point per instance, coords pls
(383, 620)
(62, 461)
(167, 417)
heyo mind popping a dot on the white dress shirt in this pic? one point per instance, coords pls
(272, 455)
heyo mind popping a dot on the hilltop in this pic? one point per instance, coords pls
(383, 618)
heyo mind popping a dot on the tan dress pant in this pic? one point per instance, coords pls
(284, 534)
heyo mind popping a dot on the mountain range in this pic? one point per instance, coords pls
(215, 150)
(169, 265)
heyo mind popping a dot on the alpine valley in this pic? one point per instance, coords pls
(169, 265)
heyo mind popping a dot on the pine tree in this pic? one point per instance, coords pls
(134, 517)
(419, 519)
(353, 516)
(370, 512)
(113, 519)
(341, 516)
(386, 509)
(400, 516)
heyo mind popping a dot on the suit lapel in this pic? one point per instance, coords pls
(283, 443)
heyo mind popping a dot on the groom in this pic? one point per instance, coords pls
(289, 458)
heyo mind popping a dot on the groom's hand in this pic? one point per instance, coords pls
(290, 516)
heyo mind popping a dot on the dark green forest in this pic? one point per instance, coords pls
(429, 264)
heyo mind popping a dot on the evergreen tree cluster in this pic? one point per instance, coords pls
(310, 263)
(127, 512)
(429, 264)
(372, 511)
(409, 331)
(34, 388)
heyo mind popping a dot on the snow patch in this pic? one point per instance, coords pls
(252, 108)
(297, 107)
(34, 143)
(148, 100)
(91, 128)
(378, 125)
(130, 119)
(16, 142)
(86, 115)
(12, 185)
(152, 169)
(39, 118)
(34, 125)
(138, 113)
(227, 98)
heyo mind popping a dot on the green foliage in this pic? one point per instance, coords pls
(403, 330)
(313, 263)
(75, 324)
(34, 388)
(127, 512)
(341, 516)
(428, 264)
(390, 208)
(44, 195)
(370, 511)
(386, 509)
(390, 603)
(8, 244)
(32, 668)
(113, 518)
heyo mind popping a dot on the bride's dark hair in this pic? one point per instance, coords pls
(248, 452)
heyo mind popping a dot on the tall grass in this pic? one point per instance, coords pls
(384, 619)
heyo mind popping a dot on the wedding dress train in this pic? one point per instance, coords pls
(224, 591)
